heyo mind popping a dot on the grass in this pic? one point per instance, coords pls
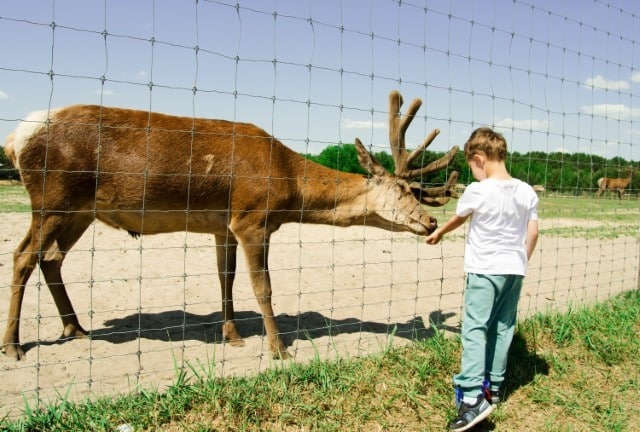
(577, 371)
(14, 198)
(583, 217)
(586, 217)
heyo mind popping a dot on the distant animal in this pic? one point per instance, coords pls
(615, 184)
(150, 173)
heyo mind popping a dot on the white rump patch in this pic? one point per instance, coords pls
(29, 127)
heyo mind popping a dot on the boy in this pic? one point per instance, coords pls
(502, 236)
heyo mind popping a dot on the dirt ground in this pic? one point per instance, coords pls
(153, 304)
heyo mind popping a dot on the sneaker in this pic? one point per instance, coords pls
(471, 415)
(494, 397)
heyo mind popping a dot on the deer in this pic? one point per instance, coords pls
(615, 184)
(151, 173)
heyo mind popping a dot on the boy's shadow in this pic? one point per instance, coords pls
(522, 367)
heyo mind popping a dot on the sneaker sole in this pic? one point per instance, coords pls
(483, 415)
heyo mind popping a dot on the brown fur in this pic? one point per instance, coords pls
(150, 173)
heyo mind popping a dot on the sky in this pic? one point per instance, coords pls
(550, 75)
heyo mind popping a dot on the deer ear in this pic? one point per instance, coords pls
(368, 161)
(424, 197)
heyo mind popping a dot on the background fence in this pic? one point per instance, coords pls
(559, 79)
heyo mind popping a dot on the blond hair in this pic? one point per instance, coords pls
(487, 141)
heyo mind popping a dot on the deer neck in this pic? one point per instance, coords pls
(334, 197)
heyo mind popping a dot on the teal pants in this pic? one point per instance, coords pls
(490, 310)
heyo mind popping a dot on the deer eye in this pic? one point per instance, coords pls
(417, 192)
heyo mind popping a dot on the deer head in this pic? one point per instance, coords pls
(409, 191)
(398, 125)
(404, 172)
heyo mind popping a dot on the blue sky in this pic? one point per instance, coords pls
(551, 75)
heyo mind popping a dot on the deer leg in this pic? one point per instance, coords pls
(70, 325)
(22, 268)
(51, 265)
(39, 238)
(226, 248)
(257, 252)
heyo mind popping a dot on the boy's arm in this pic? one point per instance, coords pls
(532, 237)
(450, 225)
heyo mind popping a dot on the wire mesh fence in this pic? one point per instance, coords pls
(559, 79)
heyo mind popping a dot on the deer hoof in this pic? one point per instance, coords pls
(72, 331)
(231, 335)
(13, 351)
(281, 354)
(236, 342)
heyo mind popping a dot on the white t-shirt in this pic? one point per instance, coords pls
(500, 211)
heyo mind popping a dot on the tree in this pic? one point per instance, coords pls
(7, 171)
(342, 158)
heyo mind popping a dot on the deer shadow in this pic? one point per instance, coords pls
(176, 325)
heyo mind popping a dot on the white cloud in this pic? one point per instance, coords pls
(612, 111)
(362, 124)
(3, 95)
(142, 74)
(635, 77)
(599, 82)
(527, 124)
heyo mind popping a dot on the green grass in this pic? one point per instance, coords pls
(577, 371)
(583, 217)
(14, 198)
(586, 217)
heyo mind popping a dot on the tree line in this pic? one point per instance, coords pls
(567, 173)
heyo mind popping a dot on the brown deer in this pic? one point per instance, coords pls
(150, 173)
(615, 184)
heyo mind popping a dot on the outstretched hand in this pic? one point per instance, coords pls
(450, 225)
(434, 237)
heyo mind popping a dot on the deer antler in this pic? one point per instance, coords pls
(398, 126)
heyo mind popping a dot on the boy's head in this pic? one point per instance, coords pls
(486, 140)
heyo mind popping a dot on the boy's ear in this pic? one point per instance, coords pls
(479, 159)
